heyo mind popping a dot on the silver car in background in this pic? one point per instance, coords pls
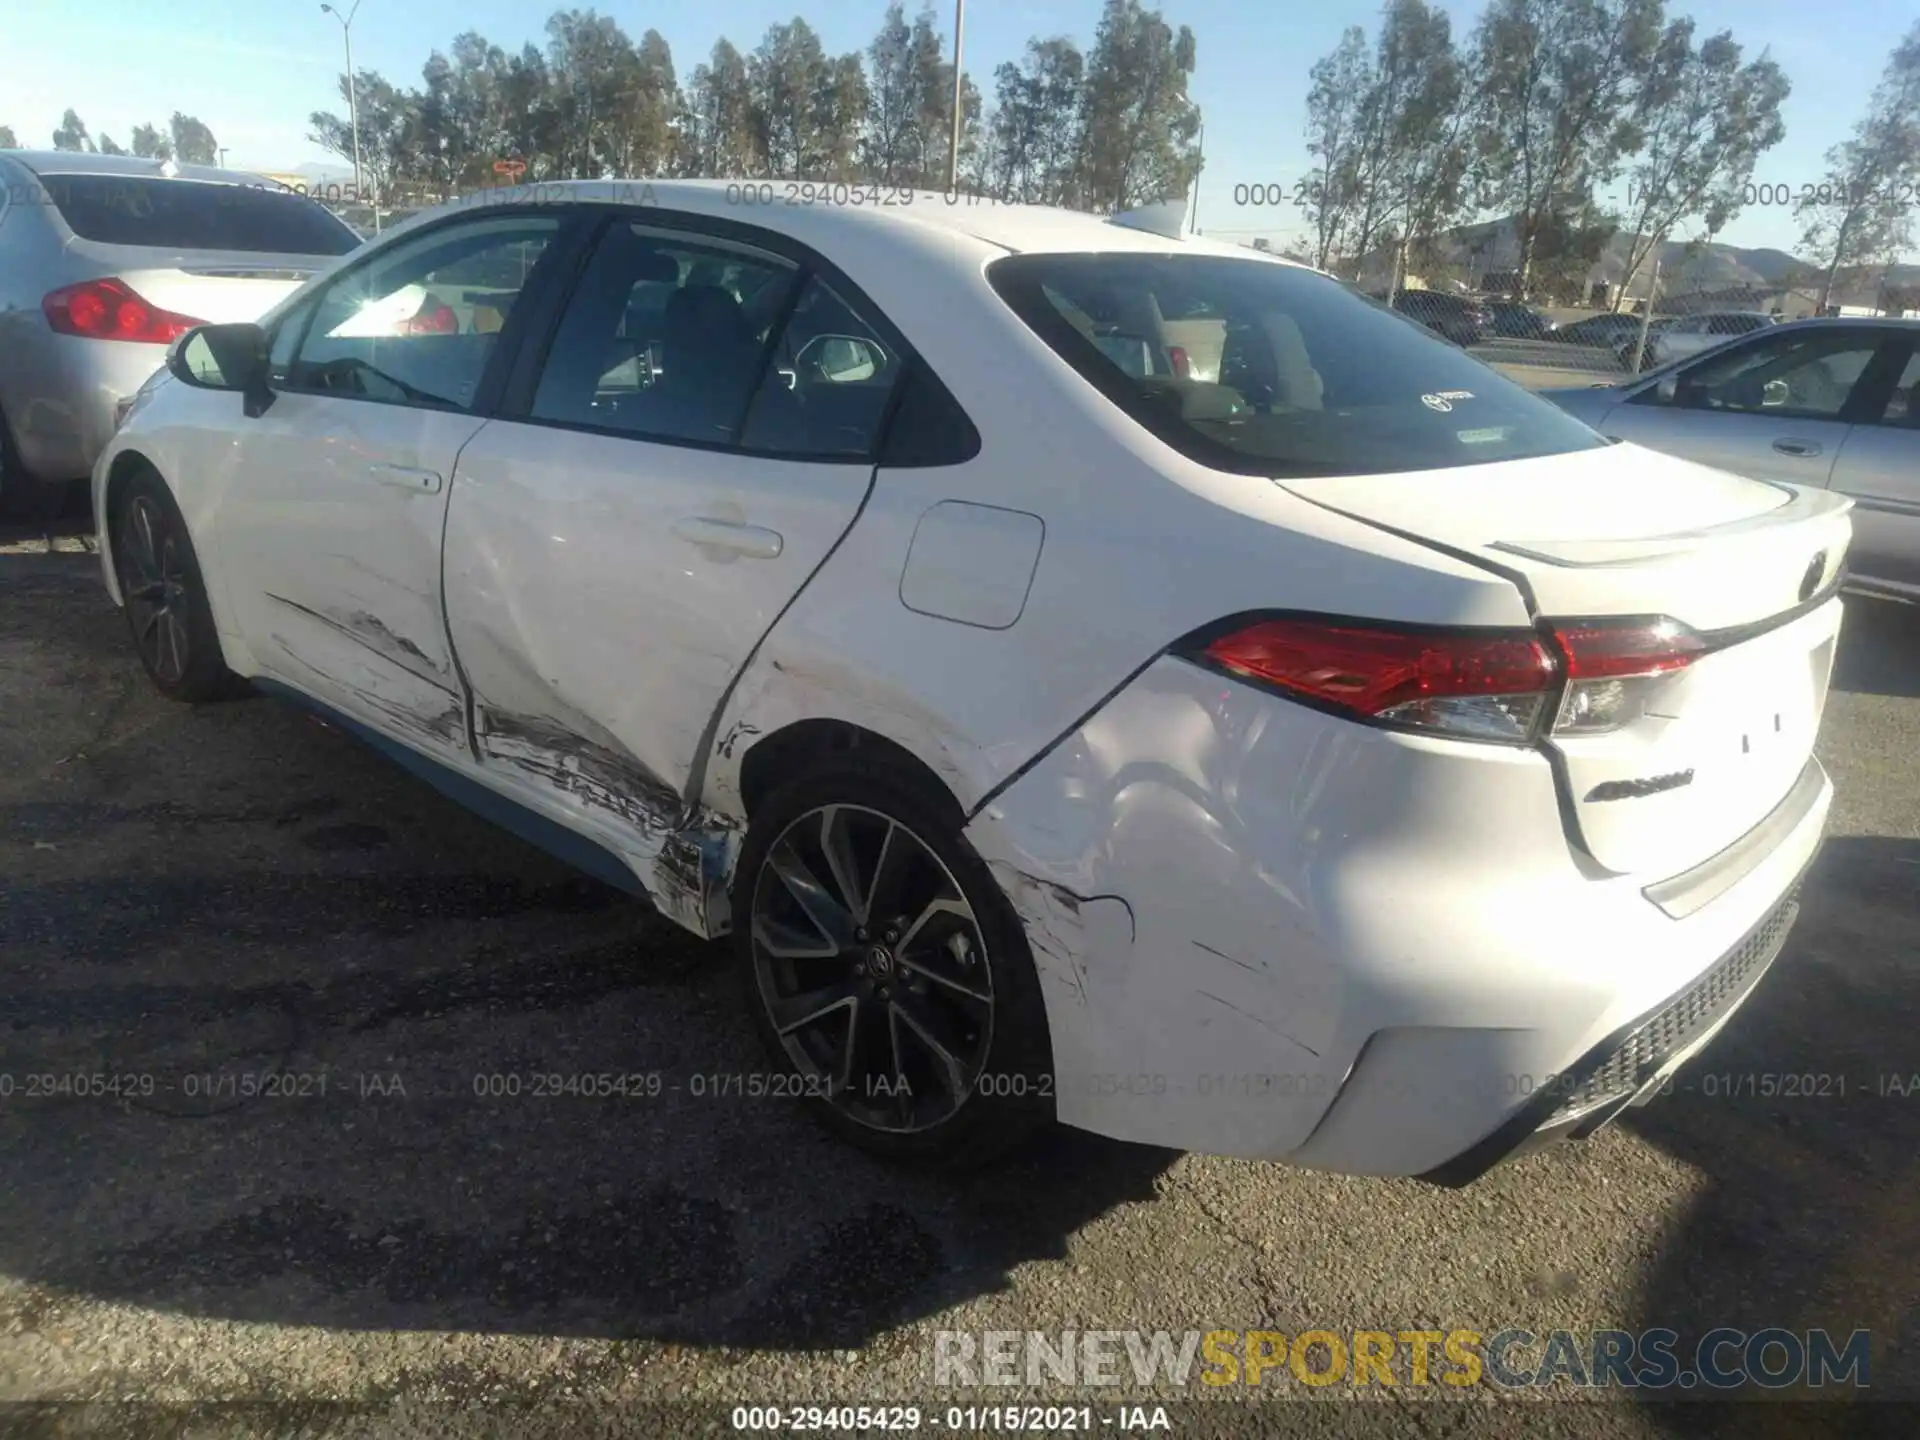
(1682, 335)
(1833, 404)
(104, 260)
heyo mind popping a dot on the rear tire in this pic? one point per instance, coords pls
(164, 594)
(886, 972)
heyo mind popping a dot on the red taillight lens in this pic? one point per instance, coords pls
(1614, 670)
(1651, 647)
(110, 310)
(1487, 684)
(1182, 364)
(434, 320)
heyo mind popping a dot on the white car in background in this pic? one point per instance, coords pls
(1349, 759)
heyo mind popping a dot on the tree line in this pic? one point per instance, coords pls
(1548, 107)
(185, 139)
(1544, 114)
(1106, 128)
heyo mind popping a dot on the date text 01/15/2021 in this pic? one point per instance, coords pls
(964, 1419)
(200, 1085)
(648, 1085)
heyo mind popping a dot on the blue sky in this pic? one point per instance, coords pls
(254, 71)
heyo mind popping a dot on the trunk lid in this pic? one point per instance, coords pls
(1623, 533)
(219, 287)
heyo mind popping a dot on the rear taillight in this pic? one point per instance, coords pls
(110, 310)
(1613, 670)
(1182, 364)
(1474, 684)
(1468, 684)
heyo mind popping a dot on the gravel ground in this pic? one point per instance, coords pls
(236, 891)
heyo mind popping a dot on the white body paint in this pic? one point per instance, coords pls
(1230, 897)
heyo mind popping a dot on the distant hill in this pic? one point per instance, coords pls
(1493, 245)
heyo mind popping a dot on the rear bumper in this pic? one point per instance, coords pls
(1263, 931)
(62, 406)
(1632, 1065)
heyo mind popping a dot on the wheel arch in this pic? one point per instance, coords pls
(127, 465)
(120, 474)
(807, 745)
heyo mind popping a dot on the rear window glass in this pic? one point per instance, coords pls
(1274, 370)
(195, 215)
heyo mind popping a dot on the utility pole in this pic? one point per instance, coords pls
(959, 81)
(223, 157)
(353, 97)
(1646, 315)
(1193, 224)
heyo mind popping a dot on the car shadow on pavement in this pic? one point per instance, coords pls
(289, 1038)
(1879, 648)
(393, 1194)
(1803, 1122)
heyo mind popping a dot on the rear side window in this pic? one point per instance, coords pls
(195, 215)
(826, 392)
(665, 337)
(928, 426)
(1290, 374)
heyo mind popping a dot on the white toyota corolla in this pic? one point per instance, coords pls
(1090, 672)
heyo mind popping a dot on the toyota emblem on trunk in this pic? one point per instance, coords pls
(1816, 570)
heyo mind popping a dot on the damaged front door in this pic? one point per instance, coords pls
(332, 525)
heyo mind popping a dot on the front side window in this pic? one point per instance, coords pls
(1292, 374)
(1807, 376)
(665, 336)
(195, 215)
(280, 349)
(417, 324)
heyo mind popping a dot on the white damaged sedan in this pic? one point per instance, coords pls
(1091, 673)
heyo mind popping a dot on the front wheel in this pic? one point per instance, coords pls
(887, 973)
(165, 595)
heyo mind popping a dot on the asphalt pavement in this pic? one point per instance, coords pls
(341, 1186)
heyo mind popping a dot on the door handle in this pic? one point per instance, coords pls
(407, 477)
(1797, 447)
(749, 540)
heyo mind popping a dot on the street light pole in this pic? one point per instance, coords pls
(353, 96)
(953, 154)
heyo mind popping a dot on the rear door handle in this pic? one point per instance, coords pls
(407, 477)
(1797, 447)
(749, 540)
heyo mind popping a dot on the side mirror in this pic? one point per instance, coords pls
(1668, 389)
(224, 357)
(842, 359)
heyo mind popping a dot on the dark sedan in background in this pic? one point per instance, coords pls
(1455, 317)
(1515, 320)
(1602, 330)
